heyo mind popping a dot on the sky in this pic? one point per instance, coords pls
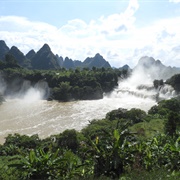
(122, 31)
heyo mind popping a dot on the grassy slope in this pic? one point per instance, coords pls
(149, 128)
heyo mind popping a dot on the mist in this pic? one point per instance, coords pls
(140, 84)
(2, 85)
(24, 90)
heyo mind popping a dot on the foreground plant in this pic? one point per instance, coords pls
(47, 165)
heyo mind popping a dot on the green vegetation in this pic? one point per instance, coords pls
(65, 85)
(174, 81)
(127, 144)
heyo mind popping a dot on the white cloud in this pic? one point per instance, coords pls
(21, 24)
(75, 39)
(116, 37)
(162, 36)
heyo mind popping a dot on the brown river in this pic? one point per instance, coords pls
(50, 117)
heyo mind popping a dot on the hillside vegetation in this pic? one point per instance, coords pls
(64, 85)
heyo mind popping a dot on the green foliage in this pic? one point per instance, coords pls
(39, 164)
(171, 104)
(116, 114)
(157, 174)
(100, 128)
(153, 110)
(62, 92)
(118, 156)
(65, 84)
(165, 106)
(134, 115)
(6, 172)
(112, 155)
(174, 81)
(112, 159)
(148, 129)
(160, 151)
(10, 62)
(172, 123)
(22, 140)
(15, 144)
(169, 109)
(68, 139)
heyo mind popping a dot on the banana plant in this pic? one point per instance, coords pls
(112, 158)
(160, 151)
(38, 164)
(50, 165)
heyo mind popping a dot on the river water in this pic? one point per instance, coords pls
(51, 117)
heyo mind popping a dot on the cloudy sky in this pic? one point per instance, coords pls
(122, 31)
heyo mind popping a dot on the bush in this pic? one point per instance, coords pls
(68, 140)
(117, 114)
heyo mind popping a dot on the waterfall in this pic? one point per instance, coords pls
(42, 86)
(127, 89)
(39, 91)
(25, 90)
(166, 92)
(2, 85)
(26, 85)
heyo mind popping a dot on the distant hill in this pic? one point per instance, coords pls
(30, 54)
(96, 61)
(45, 59)
(3, 50)
(125, 67)
(155, 69)
(20, 57)
(68, 63)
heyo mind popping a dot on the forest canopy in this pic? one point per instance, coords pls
(65, 85)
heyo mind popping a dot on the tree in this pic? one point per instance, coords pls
(153, 110)
(136, 115)
(62, 93)
(21, 141)
(165, 106)
(172, 123)
(174, 81)
(171, 104)
(10, 60)
(116, 114)
(68, 139)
